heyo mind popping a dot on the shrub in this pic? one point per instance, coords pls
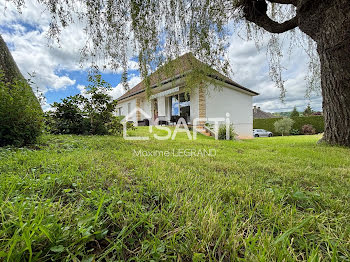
(308, 130)
(294, 132)
(20, 113)
(268, 123)
(115, 127)
(283, 126)
(67, 118)
(222, 132)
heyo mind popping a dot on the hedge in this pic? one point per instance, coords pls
(267, 123)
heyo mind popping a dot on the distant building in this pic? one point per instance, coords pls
(317, 113)
(258, 113)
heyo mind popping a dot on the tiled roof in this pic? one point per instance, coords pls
(178, 68)
(258, 113)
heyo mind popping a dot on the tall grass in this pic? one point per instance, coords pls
(78, 198)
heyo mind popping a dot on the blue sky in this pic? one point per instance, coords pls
(80, 78)
(59, 73)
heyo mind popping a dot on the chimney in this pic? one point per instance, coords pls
(259, 108)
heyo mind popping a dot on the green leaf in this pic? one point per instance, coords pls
(300, 196)
(198, 257)
(57, 249)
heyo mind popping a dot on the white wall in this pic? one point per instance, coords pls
(124, 106)
(220, 101)
(146, 106)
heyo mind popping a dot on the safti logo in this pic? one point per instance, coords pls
(180, 127)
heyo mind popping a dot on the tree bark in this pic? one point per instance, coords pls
(333, 46)
(328, 23)
(335, 78)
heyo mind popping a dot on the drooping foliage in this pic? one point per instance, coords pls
(158, 31)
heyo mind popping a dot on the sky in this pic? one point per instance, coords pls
(58, 72)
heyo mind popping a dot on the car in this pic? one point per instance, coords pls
(262, 133)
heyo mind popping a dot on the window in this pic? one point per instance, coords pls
(184, 105)
(175, 106)
(119, 111)
(180, 105)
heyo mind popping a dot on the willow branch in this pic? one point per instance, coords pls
(272, 26)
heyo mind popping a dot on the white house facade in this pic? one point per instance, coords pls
(170, 101)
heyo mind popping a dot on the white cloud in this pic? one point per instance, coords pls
(250, 68)
(119, 90)
(29, 46)
(34, 52)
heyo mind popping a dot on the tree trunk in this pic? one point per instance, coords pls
(333, 46)
(329, 26)
(335, 77)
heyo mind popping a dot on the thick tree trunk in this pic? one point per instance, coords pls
(328, 23)
(335, 77)
(333, 46)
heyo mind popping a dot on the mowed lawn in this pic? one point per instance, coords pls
(85, 198)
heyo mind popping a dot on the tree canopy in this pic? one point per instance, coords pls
(294, 113)
(158, 31)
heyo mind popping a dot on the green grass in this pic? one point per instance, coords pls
(79, 198)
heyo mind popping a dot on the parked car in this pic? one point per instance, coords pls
(262, 133)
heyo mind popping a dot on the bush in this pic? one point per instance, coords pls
(115, 127)
(84, 114)
(294, 132)
(20, 113)
(308, 130)
(283, 126)
(222, 132)
(67, 118)
(268, 123)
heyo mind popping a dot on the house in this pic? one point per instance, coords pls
(259, 114)
(212, 96)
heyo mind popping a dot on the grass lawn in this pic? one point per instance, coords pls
(84, 198)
